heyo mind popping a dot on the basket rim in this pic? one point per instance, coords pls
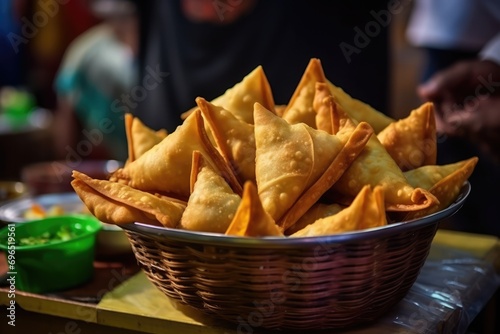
(217, 239)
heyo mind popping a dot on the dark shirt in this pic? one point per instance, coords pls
(203, 59)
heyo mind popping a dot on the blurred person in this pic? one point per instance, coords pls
(203, 47)
(461, 43)
(467, 96)
(98, 67)
(448, 31)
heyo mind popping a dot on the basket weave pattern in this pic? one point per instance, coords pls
(325, 282)
(312, 285)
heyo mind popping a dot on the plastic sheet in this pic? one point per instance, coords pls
(449, 293)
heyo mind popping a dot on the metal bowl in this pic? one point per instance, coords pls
(323, 282)
(111, 240)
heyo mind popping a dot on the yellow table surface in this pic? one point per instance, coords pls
(138, 305)
(484, 247)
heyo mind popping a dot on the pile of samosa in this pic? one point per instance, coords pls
(325, 163)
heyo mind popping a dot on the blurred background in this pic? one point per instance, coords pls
(35, 35)
(46, 97)
(33, 38)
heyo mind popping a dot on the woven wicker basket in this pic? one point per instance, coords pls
(289, 283)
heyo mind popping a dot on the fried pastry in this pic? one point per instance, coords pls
(251, 220)
(166, 167)
(254, 88)
(212, 203)
(374, 166)
(443, 181)
(411, 141)
(325, 110)
(354, 145)
(290, 158)
(367, 210)
(140, 138)
(317, 211)
(300, 107)
(240, 165)
(234, 138)
(116, 203)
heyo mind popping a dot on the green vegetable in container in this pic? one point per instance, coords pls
(62, 234)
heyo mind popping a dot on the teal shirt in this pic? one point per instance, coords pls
(96, 71)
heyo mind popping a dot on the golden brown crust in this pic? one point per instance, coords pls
(411, 141)
(117, 203)
(212, 203)
(366, 211)
(349, 152)
(321, 147)
(251, 220)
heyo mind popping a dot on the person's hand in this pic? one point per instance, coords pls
(467, 101)
(461, 84)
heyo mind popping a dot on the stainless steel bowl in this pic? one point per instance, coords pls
(111, 240)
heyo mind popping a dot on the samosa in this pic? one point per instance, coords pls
(443, 181)
(166, 167)
(212, 203)
(373, 166)
(239, 99)
(290, 158)
(116, 203)
(300, 107)
(367, 210)
(356, 109)
(234, 138)
(140, 138)
(411, 141)
(251, 220)
(317, 211)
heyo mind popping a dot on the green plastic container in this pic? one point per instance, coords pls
(54, 266)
